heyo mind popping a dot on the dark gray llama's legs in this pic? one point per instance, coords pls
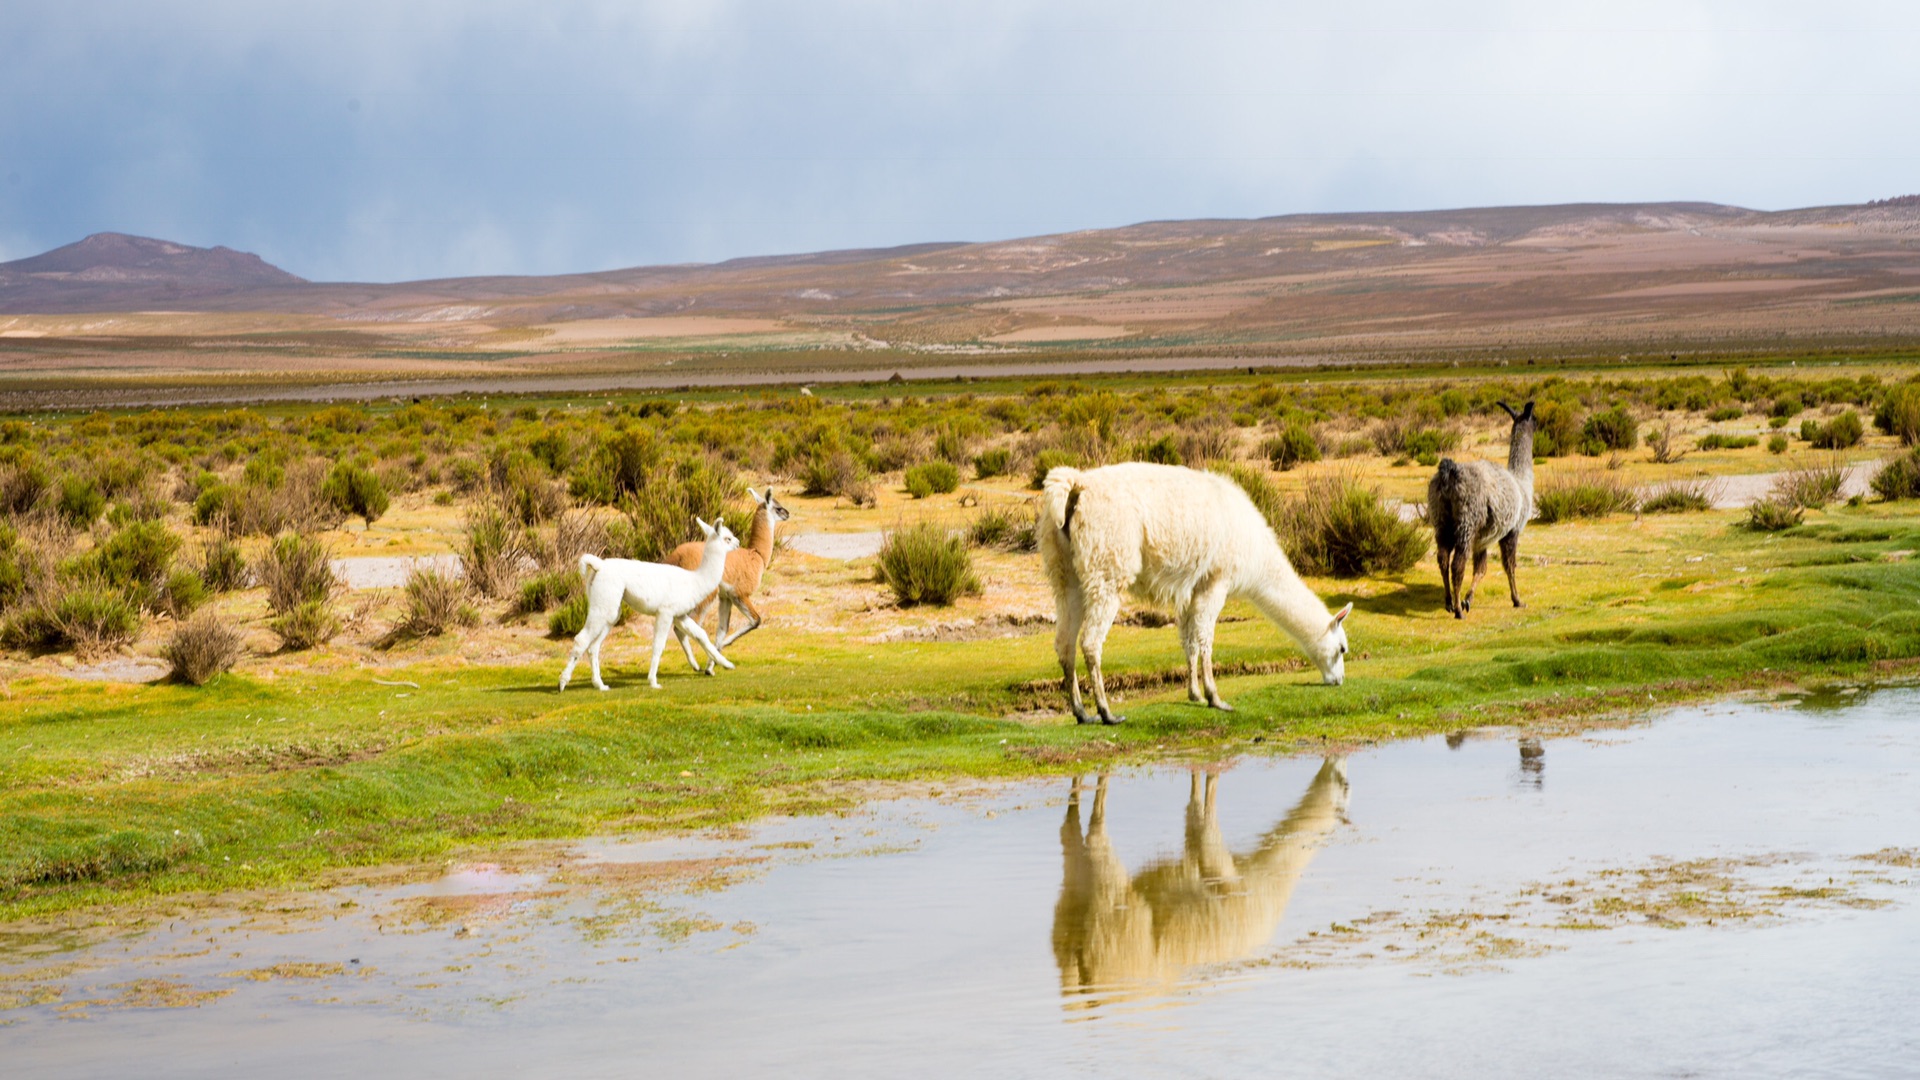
(1509, 560)
(1479, 571)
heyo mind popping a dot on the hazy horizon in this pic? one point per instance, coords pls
(360, 141)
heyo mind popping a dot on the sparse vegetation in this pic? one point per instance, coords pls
(1810, 484)
(201, 649)
(925, 564)
(1581, 493)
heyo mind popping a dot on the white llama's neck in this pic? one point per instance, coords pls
(713, 564)
(1282, 597)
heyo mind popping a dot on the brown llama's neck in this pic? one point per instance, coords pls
(1520, 449)
(760, 539)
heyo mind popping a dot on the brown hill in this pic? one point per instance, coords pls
(116, 272)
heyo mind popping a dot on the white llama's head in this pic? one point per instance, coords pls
(1330, 651)
(718, 535)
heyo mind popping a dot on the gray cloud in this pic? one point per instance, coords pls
(392, 140)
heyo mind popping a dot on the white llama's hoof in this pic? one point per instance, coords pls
(722, 661)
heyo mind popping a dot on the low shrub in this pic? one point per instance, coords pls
(305, 625)
(222, 567)
(924, 564)
(356, 491)
(201, 649)
(137, 558)
(1046, 461)
(546, 590)
(571, 617)
(296, 571)
(79, 500)
(88, 616)
(431, 604)
(1410, 437)
(1162, 451)
(1586, 493)
(836, 472)
(1207, 443)
(1295, 445)
(1660, 440)
(932, 478)
(1726, 412)
(991, 463)
(183, 594)
(1811, 485)
(659, 517)
(1839, 433)
(1898, 477)
(1776, 444)
(1681, 496)
(1717, 441)
(490, 549)
(1339, 527)
(1613, 429)
(1898, 413)
(1773, 515)
(1006, 527)
(24, 481)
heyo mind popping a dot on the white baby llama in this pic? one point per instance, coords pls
(1180, 539)
(668, 593)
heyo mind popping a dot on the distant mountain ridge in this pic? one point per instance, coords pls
(110, 272)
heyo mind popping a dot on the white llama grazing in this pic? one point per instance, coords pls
(1178, 538)
(667, 593)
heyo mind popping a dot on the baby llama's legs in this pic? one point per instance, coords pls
(1101, 610)
(1509, 560)
(745, 604)
(1066, 635)
(1206, 615)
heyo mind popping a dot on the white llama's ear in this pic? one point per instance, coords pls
(1341, 616)
(704, 527)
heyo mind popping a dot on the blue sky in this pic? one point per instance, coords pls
(393, 140)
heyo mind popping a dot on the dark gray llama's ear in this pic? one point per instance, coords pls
(1526, 413)
(1508, 409)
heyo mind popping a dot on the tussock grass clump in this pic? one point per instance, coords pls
(1810, 485)
(432, 604)
(924, 564)
(1776, 443)
(1295, 445)
(1717, 441)
(1338, 527)
(356, 491)
(1665, 449)
(201, 649)
(1773, 515)
(1583, 493)
(1046, 461)
(490, 549)
(932, 478)
(222, 566)
(659, 517)
(1681, 496)
(1208, 443)
(1005, 527)
(1613, 429)
(991, 463)
(1898, 477)
(1898, 413)
(300, 585)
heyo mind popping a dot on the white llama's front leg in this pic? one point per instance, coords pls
(662, 630)
(1206, 616)
(713, 652)
(1190, 644)
(1093, 640)
(599, 639)
(1066, 637)
(680, 624)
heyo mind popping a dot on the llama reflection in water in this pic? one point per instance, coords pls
(1119, 937)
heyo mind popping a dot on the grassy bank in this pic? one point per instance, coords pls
(277, 773)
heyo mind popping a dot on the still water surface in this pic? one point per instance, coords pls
(1721, 891)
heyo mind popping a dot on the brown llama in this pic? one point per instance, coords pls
(744, 568)
(1472, 504)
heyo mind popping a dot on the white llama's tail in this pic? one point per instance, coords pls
(1060, 498)
(589, 566)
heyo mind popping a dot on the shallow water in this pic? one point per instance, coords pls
(1724, 891)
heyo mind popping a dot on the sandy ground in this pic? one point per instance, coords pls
(390, 571)
(851, 545)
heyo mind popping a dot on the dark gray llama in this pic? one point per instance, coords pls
(1471, 504)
